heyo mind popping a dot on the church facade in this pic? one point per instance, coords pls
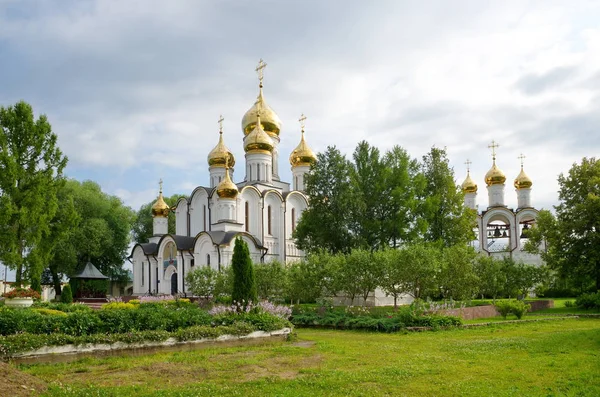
(502, 231)
(261, 209)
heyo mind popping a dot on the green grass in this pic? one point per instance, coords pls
(549, 358)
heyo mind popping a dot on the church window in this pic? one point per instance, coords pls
(204, 216)
(258, 172)
(208, 260)
(293, 219)
(247, 216)
(143, 276)
(269, 219)
(192, 262)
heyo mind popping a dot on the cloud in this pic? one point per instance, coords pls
(532, 84)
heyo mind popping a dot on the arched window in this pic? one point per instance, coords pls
(247, 216)
(269, 220)
(204, 216)
(143, 277)
(258, 172)
(208, 260)
(293, 219)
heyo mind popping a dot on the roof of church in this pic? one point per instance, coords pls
(149, 248)
(90, 272)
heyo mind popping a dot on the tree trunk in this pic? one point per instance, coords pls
(395, 302)
(56, 282)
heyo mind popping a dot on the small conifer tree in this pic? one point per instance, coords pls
(244, 284)
(67, 295)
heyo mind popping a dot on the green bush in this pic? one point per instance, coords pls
(518, 308)
(67, 294)
(589, 301)
(570, 304)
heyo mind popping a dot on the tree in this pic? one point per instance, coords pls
(201, 281)
(312, 278)
(31, 172)
(402, 224)
(457, 278)
(572, 237)
(142, 224)
(270, 280)
(244, 283)
(492, 280)
(442, 211)
(418, 264)
(393, 279)
(91, 226)
(358, 275)
(327, 223)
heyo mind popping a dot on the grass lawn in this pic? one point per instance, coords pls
(552, 358)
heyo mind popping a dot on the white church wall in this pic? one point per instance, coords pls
(199, 214)
(181, 217)
(251, 195)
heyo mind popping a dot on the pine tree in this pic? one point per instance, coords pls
(244, 284)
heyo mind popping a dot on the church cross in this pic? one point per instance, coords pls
(302, 120)
(521, 157)
(221, 119)
(493, 146)
(160, 182)
(468, 163)
(260, 70)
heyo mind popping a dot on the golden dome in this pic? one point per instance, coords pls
(469, 185)
(220, 156)
(226, 188)
(302, 155)
(258, 141)
(270, 121)
(523, 181)
(160, 208)
(495, 176)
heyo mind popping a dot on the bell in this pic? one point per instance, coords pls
(504, 234)
(524, 231)
(497, 232)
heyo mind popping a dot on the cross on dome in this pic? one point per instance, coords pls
(260, 70)
(302, 120)
(493, 146)
(221, 119)
(160, 183)
(468, 163)
(521, 157)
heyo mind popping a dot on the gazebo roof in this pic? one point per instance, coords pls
(90, 272)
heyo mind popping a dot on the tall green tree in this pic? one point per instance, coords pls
(359, 275)
(328, 221)
(402, 225)
(270, 280)
(142, 224)
(457, 278)
(244, 282)
(92, 226)
(572, 237)
(492, 280)
(442, 211)
(31, 173)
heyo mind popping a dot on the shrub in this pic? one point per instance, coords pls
(21, 293)
(67, 294)
(589, 301)
(570, 304)
(518, 308)
(118, 306)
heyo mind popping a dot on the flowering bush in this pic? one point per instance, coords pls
(22, 293)
(280, 311)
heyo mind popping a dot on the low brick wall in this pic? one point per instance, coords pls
(471, 313)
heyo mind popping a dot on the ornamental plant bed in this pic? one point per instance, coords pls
(24, 330)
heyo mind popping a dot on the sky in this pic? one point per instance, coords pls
(134, 89)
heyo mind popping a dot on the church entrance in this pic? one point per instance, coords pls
(174, 284)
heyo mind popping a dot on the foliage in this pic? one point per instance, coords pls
(457, 278)
(141, 227)
(516, 307)
(244, 282)
(572, 237)
(19, 292)
(490, 274)
(67, 295)
(201, 281)
(327, 223)
(358, 274)
(270, 280)
(100, 233)
(31, 173)
(588, 301)
(442, 212)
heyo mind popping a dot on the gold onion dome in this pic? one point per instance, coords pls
(523, 181)
(160, 208)
(302, 155)
(495, 176)
(258, 141)
(220, 156)
(469, 185)
(226, 188)
(269, 119)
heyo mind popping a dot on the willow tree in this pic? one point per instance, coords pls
(31, 173)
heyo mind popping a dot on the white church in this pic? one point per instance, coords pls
(261, 209)
(502, 231)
